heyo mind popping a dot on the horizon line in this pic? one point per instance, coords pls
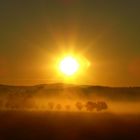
(61, 83)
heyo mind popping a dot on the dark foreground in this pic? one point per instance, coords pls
(68, 126)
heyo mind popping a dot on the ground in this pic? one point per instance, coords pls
(68, 126)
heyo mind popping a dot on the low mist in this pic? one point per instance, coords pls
(60, 97)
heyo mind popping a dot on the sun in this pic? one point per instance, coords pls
(69, 65)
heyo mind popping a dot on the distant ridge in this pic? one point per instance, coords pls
(67, 85)
(85, 91)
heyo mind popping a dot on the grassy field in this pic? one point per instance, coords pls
(15, 125)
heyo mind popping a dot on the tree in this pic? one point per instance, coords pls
(51, 105)
(101, 106)
(67, 107)
(58, 107)
(79, 105)
(90, 106)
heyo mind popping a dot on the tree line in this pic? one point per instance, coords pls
(28, 103)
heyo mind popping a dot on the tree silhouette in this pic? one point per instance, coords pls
(79, 105)
(51, 105)
(67, 107)
(90, 106)
(101, 106)
(58, 107)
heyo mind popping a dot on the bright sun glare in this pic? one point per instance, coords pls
(69, 66)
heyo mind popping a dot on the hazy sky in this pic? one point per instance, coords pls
(34, 32)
